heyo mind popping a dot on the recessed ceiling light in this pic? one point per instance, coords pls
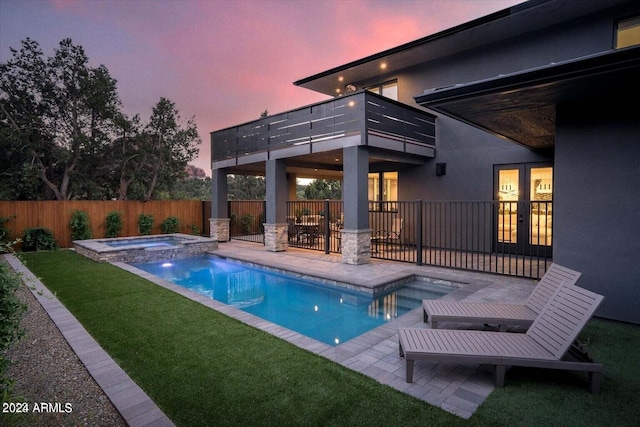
(383, 66)
(340, 78)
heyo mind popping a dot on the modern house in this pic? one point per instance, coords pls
(519, 132)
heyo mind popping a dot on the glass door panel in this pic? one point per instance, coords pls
(541, 197)
(508, 194)
(525, 208)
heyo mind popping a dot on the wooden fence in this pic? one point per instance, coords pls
(193, 216)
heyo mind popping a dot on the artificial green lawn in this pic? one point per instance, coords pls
(203, 368)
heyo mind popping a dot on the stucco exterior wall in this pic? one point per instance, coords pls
(597, 203)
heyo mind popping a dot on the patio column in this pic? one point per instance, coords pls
(275, 227)
(356, 235)
(219, 221)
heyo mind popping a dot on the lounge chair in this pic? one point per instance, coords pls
(548, 343)
(501, 314)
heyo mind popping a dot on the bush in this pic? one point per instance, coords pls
(247, 223)
(11, 310)
(38, 239)
(80, 226)
(6, 245)
(114, 224)
(195, 230)
(170, 225)
(4, 231)
(145, 224)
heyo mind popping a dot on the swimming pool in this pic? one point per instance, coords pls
(328, 313)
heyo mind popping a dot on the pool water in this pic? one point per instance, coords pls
(328, 314)
(167, 242)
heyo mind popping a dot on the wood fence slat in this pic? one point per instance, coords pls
(55, 215)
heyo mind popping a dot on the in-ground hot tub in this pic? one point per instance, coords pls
(145, 248)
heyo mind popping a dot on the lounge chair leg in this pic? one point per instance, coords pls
(410, 364)
(595, 379)
(500, 372)
(425, 317)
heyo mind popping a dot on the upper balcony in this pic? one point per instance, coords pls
(360, 118)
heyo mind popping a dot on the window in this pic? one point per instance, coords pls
(628, 33)
(383, 187)
(387, 89)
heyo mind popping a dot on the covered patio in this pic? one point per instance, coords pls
(345, 138)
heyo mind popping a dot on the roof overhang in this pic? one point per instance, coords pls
(522, 106)
(511, 22)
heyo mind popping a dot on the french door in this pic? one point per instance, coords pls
(524, 211)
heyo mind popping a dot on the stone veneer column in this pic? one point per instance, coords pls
(219, 229)
(356, 246)
(275, 237)
(356, 235)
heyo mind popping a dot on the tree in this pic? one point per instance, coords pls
(151, 158)
(170, 145)
(57, 113)
(241, 187)
(323, 189)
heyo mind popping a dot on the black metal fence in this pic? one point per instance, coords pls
(247, 219)
(315, 224)
(513, 238)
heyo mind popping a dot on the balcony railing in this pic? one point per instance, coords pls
(384, 122)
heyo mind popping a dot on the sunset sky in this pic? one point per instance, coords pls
(226, 61)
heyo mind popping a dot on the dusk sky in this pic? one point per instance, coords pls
(226, 61)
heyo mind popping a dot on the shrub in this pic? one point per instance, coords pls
(80, 226)
(38, 239)
(195, 230)
(145, 224)
(4, 231)
(170, 225)
(247, 223)
(6, 245)
(11, 310)
(114, 224)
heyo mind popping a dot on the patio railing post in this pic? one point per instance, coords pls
(326, 231)
(418, 232)
(263, 218)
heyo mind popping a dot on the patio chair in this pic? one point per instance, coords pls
(548, 343)
(388, 236)
(501, 314)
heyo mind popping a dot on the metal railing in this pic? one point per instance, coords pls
(512, 238)
(315, 224)
(246, 220)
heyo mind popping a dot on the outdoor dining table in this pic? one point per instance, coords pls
(307, 228)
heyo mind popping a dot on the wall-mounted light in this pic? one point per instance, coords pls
(441, 169)
(350, 88)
